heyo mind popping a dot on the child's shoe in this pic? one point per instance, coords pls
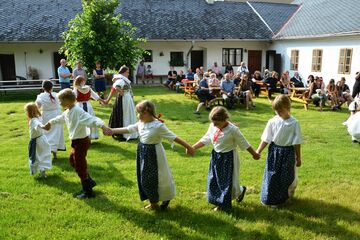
(241, 196)
(164, 205)
(43, 174)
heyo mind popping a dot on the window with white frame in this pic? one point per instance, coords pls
(294, 60)
(316, 60)
(234, 56)
(345, 61)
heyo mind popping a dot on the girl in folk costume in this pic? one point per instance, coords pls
(39, 148)
(223, 179)
(283, 134)
(123, 113)
(154, 177)
(83, 94)
(49, 104)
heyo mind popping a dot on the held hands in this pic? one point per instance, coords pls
(107, 131)
(103, 102)
(46, 127)
(190, 151)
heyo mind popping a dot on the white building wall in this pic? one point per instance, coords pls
(29, 54)
(330, 60)
(212, 52)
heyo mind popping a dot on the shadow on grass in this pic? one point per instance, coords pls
(108, 174)
(319, 217)
(180, 222)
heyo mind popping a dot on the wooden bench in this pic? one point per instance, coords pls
(154, 77)
(25, 85)
(300, 95)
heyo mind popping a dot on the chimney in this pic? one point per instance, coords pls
(210, 1)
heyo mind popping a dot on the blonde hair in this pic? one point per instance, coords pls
(146, 106)
(281, 102)
(67, 95)
(32, 110)
(219, 114)
(78, 81)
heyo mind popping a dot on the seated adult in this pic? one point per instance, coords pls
(216, 69)
(285, 82)
(343, 92)
(203, 93)
(317, 92)
(332, 94)
(214, 83)
(229, 69)
(171, 78)
(257, 82)
(197, 75)
(179, 78)
(245, 91)
(190, 75)
(296, 80)
(237, 79)
(272, 84)
(227, 90)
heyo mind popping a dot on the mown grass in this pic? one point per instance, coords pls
(326, 205)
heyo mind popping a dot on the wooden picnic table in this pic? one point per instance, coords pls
(299, 94)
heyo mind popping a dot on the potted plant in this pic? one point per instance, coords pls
(32, 73)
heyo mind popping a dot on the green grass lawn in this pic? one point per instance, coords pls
(326, 203)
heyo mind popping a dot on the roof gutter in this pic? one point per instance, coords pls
(267, 25)
(342, 34)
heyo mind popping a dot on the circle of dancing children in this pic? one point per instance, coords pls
(48, 103)
(83, 93)
(283, 135)
(223, 179)
(154, 178)
(78, 121)
(39, 147)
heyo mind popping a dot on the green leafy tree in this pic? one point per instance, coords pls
(98, 34)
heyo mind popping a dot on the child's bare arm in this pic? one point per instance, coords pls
(298, 154)
(198, 145)
(189, 149)
(119, 130)
(261, 147)
(256, 156)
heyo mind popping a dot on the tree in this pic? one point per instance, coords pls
(98, 34)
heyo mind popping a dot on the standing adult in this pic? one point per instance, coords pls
(64, 75)
(79, 71)
(242, 69)
(123, 113)
(356, 88)
(140, 72)
(99, 79)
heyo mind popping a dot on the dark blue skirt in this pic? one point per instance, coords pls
(219, 186)
(100, 85)
(279, 174)
(147, 172)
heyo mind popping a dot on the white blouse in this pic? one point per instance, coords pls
(78, 122)
(230, 137)
(34, 128)
(151, 132)
(282, 132)
(48, 104)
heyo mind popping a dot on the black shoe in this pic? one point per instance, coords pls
(164, 205)
(92, 183)
(355, 141)
(241, 197)
(84, 195)
(196, 112)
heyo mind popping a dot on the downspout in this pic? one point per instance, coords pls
(188, 54)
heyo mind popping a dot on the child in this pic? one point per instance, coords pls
(78, 121)
(83, 94)
(39, 148)
(49, 104)
(283, 134)
(353, 122)
(149, 73)
(223, 179)
(154, 177)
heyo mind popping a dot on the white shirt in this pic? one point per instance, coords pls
(229, 138)
(151, 132)
(34, 128)
(282, 132)
(78, 122)
(48, 104)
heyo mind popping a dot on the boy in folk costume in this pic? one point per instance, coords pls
(83, 94)
(78, 122)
